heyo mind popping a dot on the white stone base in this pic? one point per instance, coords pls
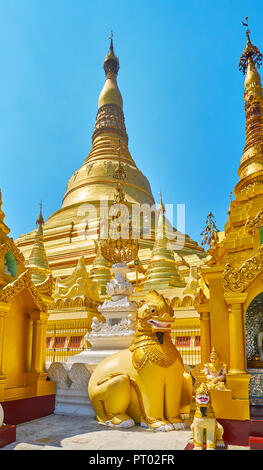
(72, 389)
(74, 404)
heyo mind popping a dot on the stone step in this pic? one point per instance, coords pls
(255, 442)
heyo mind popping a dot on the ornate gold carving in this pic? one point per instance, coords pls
(24, 281)
(47, 287)
(237, 279)
(110, 116)
(74, 303)
(8, 245)
(253, 224)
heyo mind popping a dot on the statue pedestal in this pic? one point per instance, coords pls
(118, 330)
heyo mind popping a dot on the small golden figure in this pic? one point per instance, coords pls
(215, 372)
(207, 432)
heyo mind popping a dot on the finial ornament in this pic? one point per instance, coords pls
(118, 248)
(40, 220)
(111, 62)
(250, 52)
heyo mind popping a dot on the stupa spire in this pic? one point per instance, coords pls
(38, 261)
(95, 178)
(110, 115)
(251, 165)
(250, 52)
(111, 63)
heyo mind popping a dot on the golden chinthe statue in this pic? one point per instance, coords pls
(123, 389)
(207, 432)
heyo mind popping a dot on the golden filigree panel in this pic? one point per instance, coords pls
(237, 279)
(24, 281)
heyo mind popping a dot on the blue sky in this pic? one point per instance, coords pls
(182, 92)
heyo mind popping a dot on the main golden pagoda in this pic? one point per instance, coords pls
(70, 232)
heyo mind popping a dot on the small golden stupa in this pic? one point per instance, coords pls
(162, 271)
(38, 261)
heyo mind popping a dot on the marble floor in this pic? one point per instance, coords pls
(63, 432)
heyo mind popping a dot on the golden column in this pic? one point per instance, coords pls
(39, 342)
(205, 335)
(4, 308)
(202, 306)
(236, 332)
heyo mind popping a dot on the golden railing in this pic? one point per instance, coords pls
(64, 339)
(186, 337)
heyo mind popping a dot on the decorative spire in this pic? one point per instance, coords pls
(110, 116)
(251, 168)
(40, 220)
(250, 52)
(117, 248)
(162, 207)
(38, 261)
(3, 227)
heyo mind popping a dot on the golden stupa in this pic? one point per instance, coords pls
(70, 232)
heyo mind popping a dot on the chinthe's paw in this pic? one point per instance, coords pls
(128, 423)
(178, 426)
